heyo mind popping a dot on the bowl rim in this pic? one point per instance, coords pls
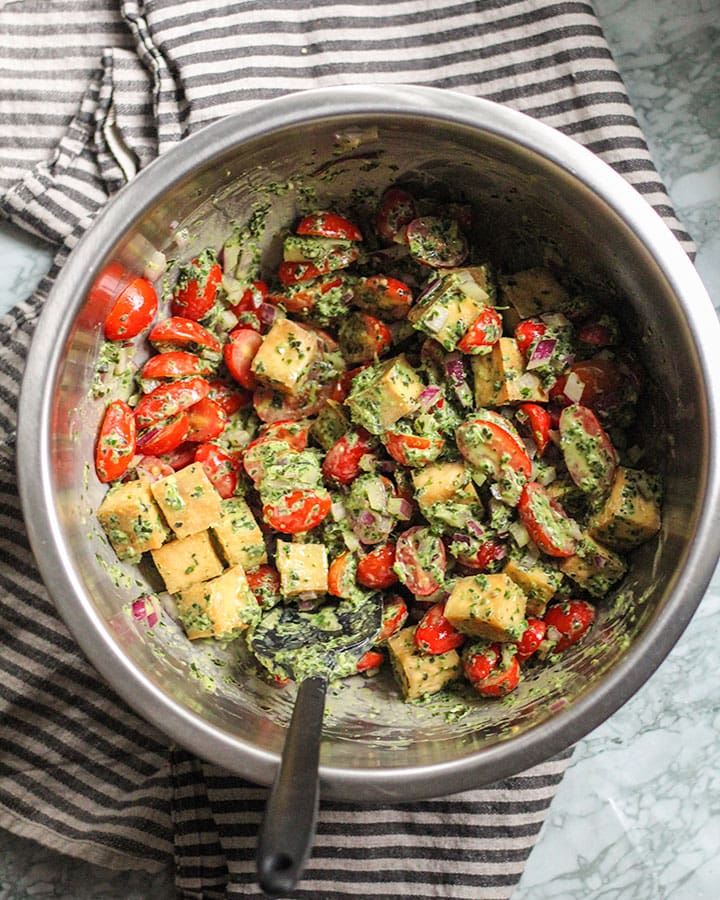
(509, 756)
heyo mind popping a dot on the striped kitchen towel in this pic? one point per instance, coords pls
(91, 91)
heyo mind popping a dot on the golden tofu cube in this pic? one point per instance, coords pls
(186, 561)
(487, 606)
(631, 513)
(303, 568)
(131, 519)
(531, 293)
(500, 377)
(238, 535)
(419, 674)
(221, 607)
(539, 581)
(188, 500)
(593, 567)
(391, 393)
(447, 311)
(285, 356)
(441, 482)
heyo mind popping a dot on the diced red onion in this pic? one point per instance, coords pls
(476, 528)
(542, 352)
(144, 610)
(428, 289)
(462, 540)
(400, 507)
(436, 322)
(455, 369)
(429, 396)
(267, 313)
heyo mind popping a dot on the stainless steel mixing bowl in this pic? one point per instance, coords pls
(536, 194)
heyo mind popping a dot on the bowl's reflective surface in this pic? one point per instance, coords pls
(536, 197)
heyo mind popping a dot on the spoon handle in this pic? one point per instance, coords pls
(288, 829)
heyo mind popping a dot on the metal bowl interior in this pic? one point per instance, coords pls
(536, 195)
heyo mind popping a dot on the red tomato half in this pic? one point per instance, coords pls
(490, 441)
(502, 680)
(221, 468)
(174, 364)
(546, 521)
(178, 333)
(375, 569)
(434, 634)
(370, 660)
(206, 421)
(394, 616)
(601, 381)
(478, 660)
(340, 575)
(526, 332)
(386, 296)
(164, 436)
(167, 400)
(487, 553)
(239, 352)
(539, 422)
(396, 210)
(194, 295)
(116, 442)
(531, 639)
(342, 461)
(294, 433)
(411, 449)
(571, 620)
(420, 560)
(133, 311)
(264, 582)
(329, 225)
(230, 398)
(297, 512)
(485, 331)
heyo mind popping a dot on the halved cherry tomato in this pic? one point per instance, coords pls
(341, 577)
(252, 299)
(181, 456)
(297, 512)
(195, 292)
(370, 661)
(330, 225)
(434, 633)
(152, 468)
(488, 552)
(539, 422)
(133, 311)
(375, 569)
(230, 398)
(382, 294)
(485, 331)
(589, 455)
(479, 659)
(420, 560)
(167, 400)
(568, 622)
(531, 638)
(239, 352)
(164, 436)
(206, 421)
(303, 298)
(396, 210)
(394, 615)
(489, 441)
(503, 678)
(546, 521)
(221, 468)
(527, 332)
(175, 364)
(598, 383)
(363, 338)
(108, 285)
(342, 461)
(274, 406)
(436, 241)
(178, 333)
(264, 582)
(116, 442)
(412, 449)
(294, 433)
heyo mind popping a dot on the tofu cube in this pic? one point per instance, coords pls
(132, 520)
(285, 356)
(186, 561)
(418, 674)
(303, 568)
(238, 535)
(631, 513)
(539, 582)
(390, 392)
(220, 608)
(188, 500)
(594, 568)
(530, 293)
(500, 377)
(446, 311)
(487, 606)
(442, 482)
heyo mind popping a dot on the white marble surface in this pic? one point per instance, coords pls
(637, 816)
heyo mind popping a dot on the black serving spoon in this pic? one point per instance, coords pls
(310, 648)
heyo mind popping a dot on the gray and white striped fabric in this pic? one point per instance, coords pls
(91, 91)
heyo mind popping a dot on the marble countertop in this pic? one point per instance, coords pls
(637, 816)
